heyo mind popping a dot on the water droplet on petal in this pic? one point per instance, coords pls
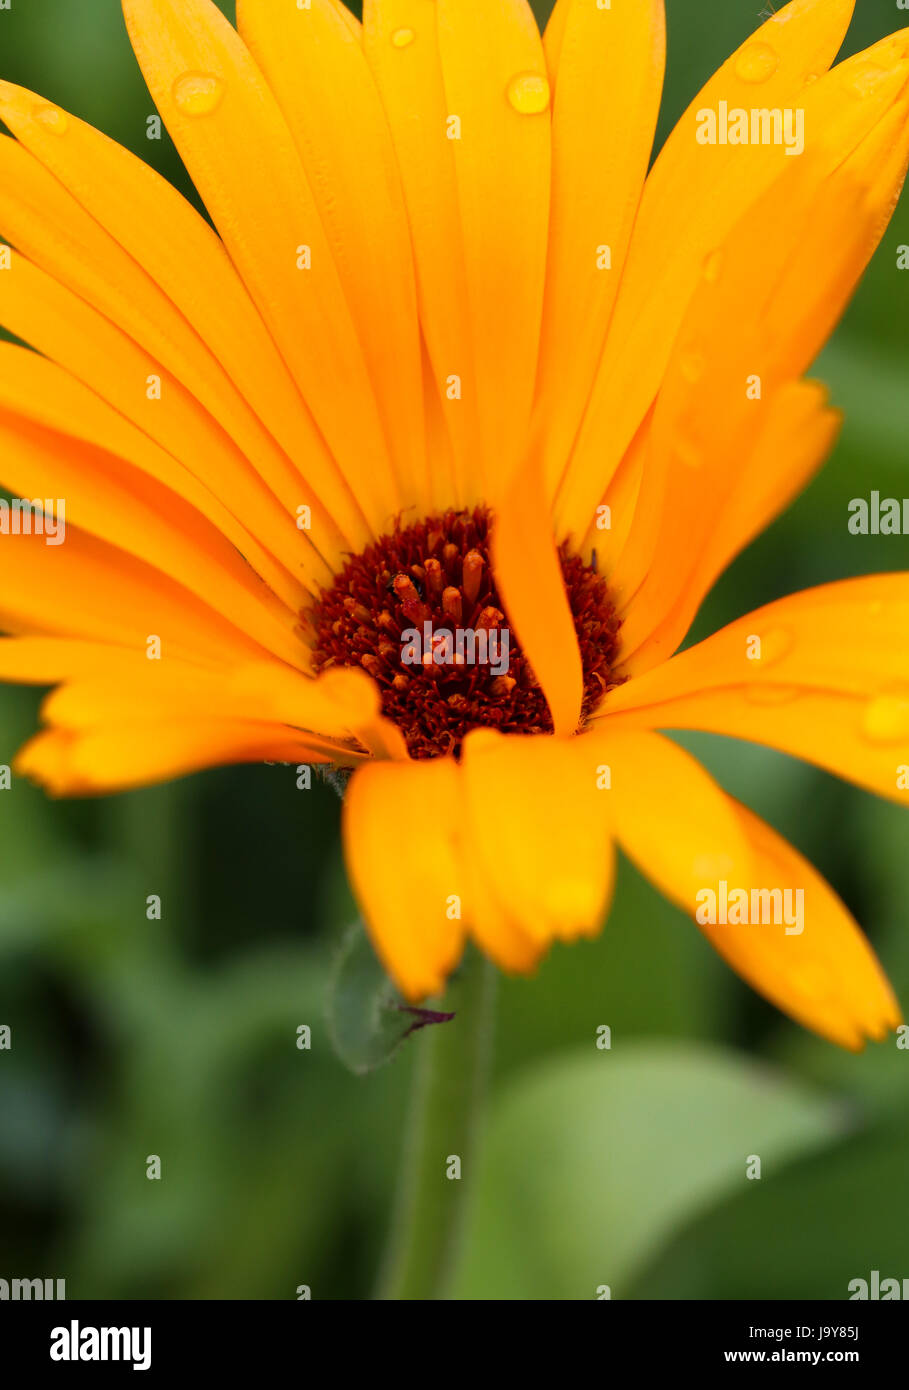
(402, 38)
(886, 716)
(692, 366)
(775, 644)
(811, 77)
(53, 119)
(713, 264)
(863, 82)
(529, 93)
(756, 62)
(198, 93)
(688, 454)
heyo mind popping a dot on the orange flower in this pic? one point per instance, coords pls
(454, 357)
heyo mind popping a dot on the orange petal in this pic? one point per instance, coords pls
(670, 816)
(608, 77)
(402, 828)
(547, 861)
(694, 195)
(314, 64)
(138, 514)
(497, 88)
(787, 271)
(62, 327)
(825, 975)
(795, 436)
(91, 590)
(235, 143)
(142, 753)
(818, 675)
(408, 73)
(529, 578)
(107, 272)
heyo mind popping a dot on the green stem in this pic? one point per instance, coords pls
(449, 1082)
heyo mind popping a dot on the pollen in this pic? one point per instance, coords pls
(419, 611)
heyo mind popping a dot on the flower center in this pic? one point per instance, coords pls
(420, 612)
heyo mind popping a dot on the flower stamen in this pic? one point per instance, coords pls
(464, 669)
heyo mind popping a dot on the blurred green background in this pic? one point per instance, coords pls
(178, 1037)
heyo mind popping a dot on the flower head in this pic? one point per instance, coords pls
(422, 461)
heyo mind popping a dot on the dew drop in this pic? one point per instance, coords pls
(53, 119)
(713, 264)
(198, 93)
(862, 83)
(402, 38)
(756, 63)
(529, 93)
(692, 366)
(775, 644)
(688, 454)
(886, 716)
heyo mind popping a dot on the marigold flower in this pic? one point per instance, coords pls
(454, 358)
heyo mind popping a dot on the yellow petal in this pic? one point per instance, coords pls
(497, 88)
(91, 590)
(47, 660)
(795, 436)
(608, 78)
(315, 67)
(625, 517)
(554, 35)
(336, 706)
(529, 578)
(547, 860)
(409, 77)
(240, 154)
(209, 471)
(402, 844)
(145, 217)
(139, 515)
(140, 754)
(670, 816)
(496, 926)
(788, 269)
(818, 675)
(825, 976)
(694, 195)
(52, 228)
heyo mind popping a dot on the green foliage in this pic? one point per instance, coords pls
(367, 1018)
(592, 1161)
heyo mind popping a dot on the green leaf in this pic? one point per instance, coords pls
(593, 1162)
(805, 1233)
(367, 1018)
